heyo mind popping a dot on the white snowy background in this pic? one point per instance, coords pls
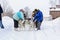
(50, 30)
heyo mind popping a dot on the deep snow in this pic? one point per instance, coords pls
(50, 30)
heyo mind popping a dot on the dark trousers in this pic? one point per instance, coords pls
(38, 24)
(0, 17)
(15, 23)
(1, 25)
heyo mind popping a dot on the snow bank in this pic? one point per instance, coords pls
(50, 31)
(56, 25)
(53, 24)
(8, 22)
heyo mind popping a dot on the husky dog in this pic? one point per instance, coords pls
(21, 25)
(26, 25)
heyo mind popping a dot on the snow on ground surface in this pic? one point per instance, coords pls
(50, 30)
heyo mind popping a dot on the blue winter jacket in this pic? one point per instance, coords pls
(18, 16)
(38, 16)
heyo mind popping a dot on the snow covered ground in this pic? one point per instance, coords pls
(50, 30)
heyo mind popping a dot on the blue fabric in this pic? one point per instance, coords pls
(38, 16)
(18, 16)
(0, 23)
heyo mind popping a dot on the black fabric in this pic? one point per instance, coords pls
(15, 24)
(0, 17)
(38, 24)
(1, 10)
(24, 16)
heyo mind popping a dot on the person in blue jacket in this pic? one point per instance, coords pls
(38, 18)
(16, 17)
(1, 11)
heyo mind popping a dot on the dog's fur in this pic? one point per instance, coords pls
(26, 22)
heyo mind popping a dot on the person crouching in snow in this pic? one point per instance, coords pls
(38, 18)
(17, 17)
(28, 16)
